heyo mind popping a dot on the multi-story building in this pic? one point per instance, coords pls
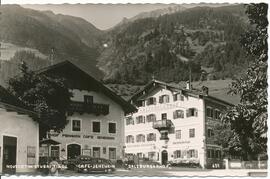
(95, 117)
(174, 124)
(19, 135)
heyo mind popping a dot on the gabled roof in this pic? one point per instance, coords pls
(177, 88)
(11, 103)
(83, 80)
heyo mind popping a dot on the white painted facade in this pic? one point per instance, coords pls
(86, 138)
(26, 131)
(185, 143)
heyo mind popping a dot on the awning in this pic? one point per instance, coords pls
(48, 142)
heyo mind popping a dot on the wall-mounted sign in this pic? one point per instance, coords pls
(88, 136)
(105, 137)
(182, 142)
(71, 135)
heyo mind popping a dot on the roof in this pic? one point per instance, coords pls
(11, 103)
(174, 87)
(84, 80)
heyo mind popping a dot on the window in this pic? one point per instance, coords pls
(140, 119)
(164, 116)
(178, 97)
(164, 135)
(96, 152)
(191, 133)
(209, 112)
(129, 139)
(96, 126)
(55, 152)
(129, 121)
(178, 134)
(177, 154)
(140, 155)
(141, 103)
(210, 132)
(217, 114)
(192, 112)
(151, 118)
(151, 155)
(164, 99)
(76, 125)
(178, 114)
(112, 127)
(112, 153)
(88, 99)
(151, 137)
(140, 138)
(151, 101)
(192, 154)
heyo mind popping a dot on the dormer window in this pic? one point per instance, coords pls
(164, 99)
(151, 101)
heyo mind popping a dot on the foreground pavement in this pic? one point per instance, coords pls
(165, 172)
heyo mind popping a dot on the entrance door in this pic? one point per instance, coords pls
(164, 157)
(9, 154)
(73, 150)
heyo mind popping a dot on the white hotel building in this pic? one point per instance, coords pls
(95, 119)
(174, 124)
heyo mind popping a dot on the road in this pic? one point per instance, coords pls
(165, 172)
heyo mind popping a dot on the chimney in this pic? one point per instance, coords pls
(205, 90)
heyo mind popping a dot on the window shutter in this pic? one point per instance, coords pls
(161, 99)
(147, 101)
(168, 99)
(132, 139)
(188, 154)
(143, 119)
(174, 114)
(196, 112)
(187, 113)
(174, 154)
(196, 153)
(143, 103)
(126, 139)
(154, 101)
(175, 97)
(155, 137)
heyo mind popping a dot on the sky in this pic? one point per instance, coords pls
(103, 16)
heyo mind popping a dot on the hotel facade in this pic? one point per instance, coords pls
(174, 125)
(95, 118)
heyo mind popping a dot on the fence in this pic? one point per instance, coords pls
(238, 164)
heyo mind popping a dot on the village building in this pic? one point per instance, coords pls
(19, 136)
(95, 118)
(174, 124)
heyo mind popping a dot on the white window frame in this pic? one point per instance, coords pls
(76, 119)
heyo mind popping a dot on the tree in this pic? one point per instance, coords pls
(248, 119)
(47, 96)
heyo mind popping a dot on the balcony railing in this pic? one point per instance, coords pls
(163, 124)
(94, 108)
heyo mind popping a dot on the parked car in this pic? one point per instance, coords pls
(87, 164)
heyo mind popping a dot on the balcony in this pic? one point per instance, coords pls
(164, 124)
(82, 107)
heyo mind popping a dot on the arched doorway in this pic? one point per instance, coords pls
(164, 157)
(73, 150)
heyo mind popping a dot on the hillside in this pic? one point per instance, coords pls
(200, 37)
(70, 38)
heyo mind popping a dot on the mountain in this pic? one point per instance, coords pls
(204, 39)
(58, 37)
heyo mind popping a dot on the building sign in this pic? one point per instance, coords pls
(71, 135)
(182, 142)
(88, 136)
(31, 155)
(86, 152)
(105, 137)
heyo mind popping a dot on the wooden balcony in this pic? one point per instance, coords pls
(82, 107)
(164, 124)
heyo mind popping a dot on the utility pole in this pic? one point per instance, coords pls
(0, 39)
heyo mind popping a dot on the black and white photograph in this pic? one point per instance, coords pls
(133, 90)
